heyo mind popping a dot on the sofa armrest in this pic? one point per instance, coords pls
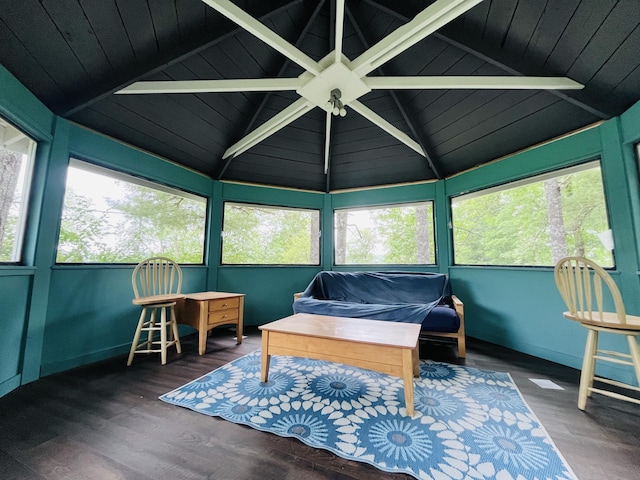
(459, 306)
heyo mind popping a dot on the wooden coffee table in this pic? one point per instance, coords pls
(387, 347)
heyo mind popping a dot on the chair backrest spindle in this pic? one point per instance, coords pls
(156, 276)
(580, 283)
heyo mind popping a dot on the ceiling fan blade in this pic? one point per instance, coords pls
(472, 82)
(279, 121)
(425, 23)
(373, 117)
(214, 86)
(327, 141)
(339, 30)
(268, 36)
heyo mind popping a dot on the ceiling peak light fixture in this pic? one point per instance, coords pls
(334, 103)
(341, 79)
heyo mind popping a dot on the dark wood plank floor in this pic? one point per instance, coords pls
(105, 421)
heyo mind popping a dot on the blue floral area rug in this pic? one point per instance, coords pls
(468, 423)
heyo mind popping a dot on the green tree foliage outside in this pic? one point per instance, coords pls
(513, 226)
(390, 235)
(138, 223)
(262, 235)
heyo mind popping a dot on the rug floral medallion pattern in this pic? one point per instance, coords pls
(468, 423)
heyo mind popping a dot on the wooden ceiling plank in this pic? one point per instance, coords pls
(268, 36)
(37, 78)
(147, 67)
(614, 30)
(509, 64)
(424, 24)
(283, 68)
(81, 38)
(581, 28)
(42, 38)
(517, 67)
(109, 29)
(417, 133)
(138, 23)
(376, 119)
(281, 120)
(165, 22)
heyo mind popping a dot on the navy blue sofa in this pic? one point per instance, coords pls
(424, 298)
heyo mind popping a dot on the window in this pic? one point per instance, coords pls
(389, 235)
(17, 152)
(266, 235)
(110, 217)
(535, 221)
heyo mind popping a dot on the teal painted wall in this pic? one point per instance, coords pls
(520, 308)
(59, 317)
(20, 330)
(269, 289)
(15, 290)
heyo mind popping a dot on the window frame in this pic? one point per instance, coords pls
(389, 206)
(277, 207)
(519, 182)
(17, 250)
(123, 176)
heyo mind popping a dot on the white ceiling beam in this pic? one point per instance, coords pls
(279, 121)
(214, 86)
(260, 31)
(376, 119)
(425, 23)
(327, 140)
(472, 82)
(337, 53)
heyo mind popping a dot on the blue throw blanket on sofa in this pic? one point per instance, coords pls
(400, 297)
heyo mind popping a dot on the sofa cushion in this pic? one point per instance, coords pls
(392, 296)
(441, 319)
(378, 287)
(396, 312)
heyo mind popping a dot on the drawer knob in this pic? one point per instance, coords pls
(225, 316)
(225, 304)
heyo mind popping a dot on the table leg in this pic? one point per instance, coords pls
(416, 361)
(407, 376)
(264, 370)
(203, 309)
(240, 321)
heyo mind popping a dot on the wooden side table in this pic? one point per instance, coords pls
(207, 310)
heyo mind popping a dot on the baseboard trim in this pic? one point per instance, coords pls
(10, 384)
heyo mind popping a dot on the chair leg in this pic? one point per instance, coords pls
(151, 327)
(136, 337)
(462, 348)
(635, 354)
(588, 369)
(163, 335)
(174, 329)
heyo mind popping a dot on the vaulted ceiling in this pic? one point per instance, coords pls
(75, 54)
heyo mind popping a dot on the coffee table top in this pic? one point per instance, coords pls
(359, 330)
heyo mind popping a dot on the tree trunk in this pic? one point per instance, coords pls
(340, 246)
(557, 233)
(422, 234)
(9, 171)
(314, 234)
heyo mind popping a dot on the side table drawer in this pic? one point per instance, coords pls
(224, 304)
(230, 315)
